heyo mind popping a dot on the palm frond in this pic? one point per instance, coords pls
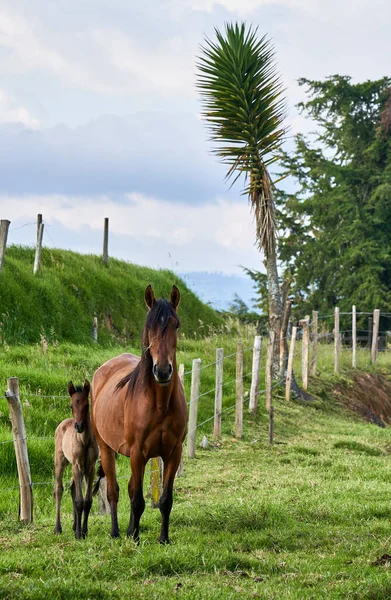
(243, 104)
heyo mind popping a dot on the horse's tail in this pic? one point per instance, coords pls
(100, 473)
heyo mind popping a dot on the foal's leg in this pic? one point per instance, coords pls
(135, 489)
(89, 478)
(77, 496)
(60, 464)
(170, 468)
(107, 457)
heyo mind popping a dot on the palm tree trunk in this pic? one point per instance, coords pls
(275, 308)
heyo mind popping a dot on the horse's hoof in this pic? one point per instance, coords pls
(57, 530)
(115, 534)
(163, 541)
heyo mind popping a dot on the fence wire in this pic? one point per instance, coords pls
(322, 336)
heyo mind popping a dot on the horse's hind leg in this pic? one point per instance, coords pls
(170, 468)
(107, 457)
(60, 464)
(77, 496)
(135, 489)
(73, 496)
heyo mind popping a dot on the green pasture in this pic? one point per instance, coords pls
(306, 518)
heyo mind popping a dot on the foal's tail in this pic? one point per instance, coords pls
(100, 472)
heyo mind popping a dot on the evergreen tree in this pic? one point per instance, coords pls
(336, 229)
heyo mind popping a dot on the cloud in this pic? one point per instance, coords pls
(11, 112)
(165, 67)
(155, 153)
(240, 7)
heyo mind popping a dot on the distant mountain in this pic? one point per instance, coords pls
(218, 289)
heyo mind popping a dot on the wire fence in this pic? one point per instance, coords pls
(323, 339)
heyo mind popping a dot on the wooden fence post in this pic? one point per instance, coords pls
(288, 380)
(239, 392)
(194, 393)
(254, 391)
(106, 241)
(336, 340)
(314, 341)
(103, 502)
(283, 338)
(376, 322)
(269, 370)
(305, 351)
(268, 386)
(218, 392)
(39, 221)
(38, 249)
(20, 444)
(354, 337)
(95, 329)
(181, 375)
(4, 225)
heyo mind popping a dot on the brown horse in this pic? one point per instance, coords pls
(139, 410)
(75, 444)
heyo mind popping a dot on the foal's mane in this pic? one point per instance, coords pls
(156, 322)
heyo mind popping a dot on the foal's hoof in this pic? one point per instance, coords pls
(57, 530)
(163, 541)
(130, 533)
(115, 534)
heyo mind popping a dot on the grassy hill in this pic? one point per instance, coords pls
(59, 303)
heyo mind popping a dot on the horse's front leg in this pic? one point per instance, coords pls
(89, 477)
(60, 464)
(170, 468)
(136, 496)
(78, 501)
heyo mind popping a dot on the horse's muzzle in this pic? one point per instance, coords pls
(79, 427)
(162, 375)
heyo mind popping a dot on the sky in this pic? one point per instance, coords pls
(100, 117)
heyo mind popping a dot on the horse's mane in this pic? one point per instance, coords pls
(156, 321)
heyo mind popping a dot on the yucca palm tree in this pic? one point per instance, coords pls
(243, 104)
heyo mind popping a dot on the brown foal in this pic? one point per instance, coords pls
(139, 410)
(75, 444)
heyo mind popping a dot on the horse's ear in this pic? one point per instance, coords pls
(175, 296)
(86, 387)
(149, 297)
(71, 388)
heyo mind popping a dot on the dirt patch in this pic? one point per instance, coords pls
(369, 395)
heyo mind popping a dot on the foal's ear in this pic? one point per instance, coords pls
(175, 296)
(71, 388)
(86, 387)
(149, 297)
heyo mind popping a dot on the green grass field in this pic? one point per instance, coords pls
(61, 300)
(305, 518)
